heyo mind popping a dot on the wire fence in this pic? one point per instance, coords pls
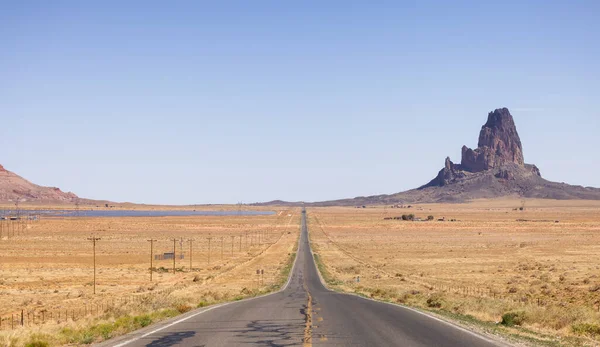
(434, 284)
(223, 247)
(91, 308)
(12, 226)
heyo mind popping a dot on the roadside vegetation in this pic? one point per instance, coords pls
(534, 283)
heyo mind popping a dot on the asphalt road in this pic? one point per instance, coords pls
(304, 313)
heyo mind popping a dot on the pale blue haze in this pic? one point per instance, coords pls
(225, 101)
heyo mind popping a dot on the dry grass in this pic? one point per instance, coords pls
(49, 268)
(485, 264)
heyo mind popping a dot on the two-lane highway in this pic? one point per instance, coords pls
(304, 313)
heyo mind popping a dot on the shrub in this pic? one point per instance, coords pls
(142, 321)
(586, 329)
(408, 216)
(37, 341)
(435, 301)
(430, 218)
(105, 330)
(513, 318)
(183, 308)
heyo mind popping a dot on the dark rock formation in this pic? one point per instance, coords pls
(450, 173)
(499, 152)
(499, 143)
(495, 168)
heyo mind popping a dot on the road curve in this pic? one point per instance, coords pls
(304, 313)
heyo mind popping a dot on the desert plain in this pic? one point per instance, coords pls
(513, 267)
(47, 271)
(528, 270)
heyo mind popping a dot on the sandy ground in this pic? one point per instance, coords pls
(49, 266)
(495, 258)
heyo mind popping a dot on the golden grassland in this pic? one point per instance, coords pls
(112, 206)
(532, 273)
(48, 270)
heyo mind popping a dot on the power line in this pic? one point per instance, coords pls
(151, 256)
(94, 239)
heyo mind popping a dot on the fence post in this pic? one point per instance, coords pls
(22, 317)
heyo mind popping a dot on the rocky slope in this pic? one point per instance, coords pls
(14, 187)
(495, 168)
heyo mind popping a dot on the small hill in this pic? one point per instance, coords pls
(496, 168)
(14, 187)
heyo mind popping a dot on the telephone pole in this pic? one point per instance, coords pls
(190, 241)
(174, 250)
(232, 241)
(240, 243)
(209, 238)
(151, 256)
(94, 239)
(18, 218)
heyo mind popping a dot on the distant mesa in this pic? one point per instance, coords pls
(496, 168)
(15, 188)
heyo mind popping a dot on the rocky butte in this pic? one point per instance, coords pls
(496, 168)
(498, 151)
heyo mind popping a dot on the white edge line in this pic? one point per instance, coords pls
(452, 324)
(218, 305)
(170, 325)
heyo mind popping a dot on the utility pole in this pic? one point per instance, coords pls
(232, 241)
(190, 241)
(246, 240)
(209, 238)
(94, 239)
(174, 250)
(151, 256)
(240, 243)
(18, 218)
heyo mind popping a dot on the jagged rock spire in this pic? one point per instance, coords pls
(499, 143)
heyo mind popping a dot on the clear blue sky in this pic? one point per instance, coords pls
(226, 101)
